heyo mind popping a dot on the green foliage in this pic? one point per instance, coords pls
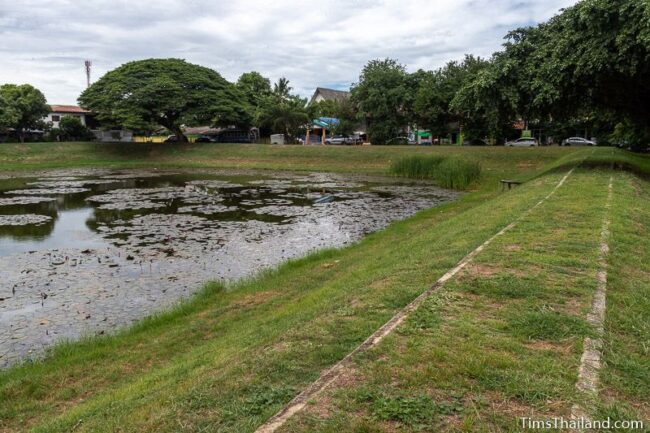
(593, 59)
(286, 116)
(22, 107)
(254, 87)
(166, 92)
(282, 89)
(71, 128)
(282, 112)
(8, 114)
(413, 410)
(448, 172)
(630, 134)
(324, 108)
(382, 94)
(432, 103)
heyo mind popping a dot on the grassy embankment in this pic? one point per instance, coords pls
(504, 339)
(233, 356)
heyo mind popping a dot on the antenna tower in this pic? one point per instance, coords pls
(89, 65)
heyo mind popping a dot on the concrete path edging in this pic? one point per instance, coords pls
(590, 361)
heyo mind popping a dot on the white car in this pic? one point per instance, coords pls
(523, 142)
(577, 141)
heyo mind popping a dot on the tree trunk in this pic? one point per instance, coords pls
(179, 135)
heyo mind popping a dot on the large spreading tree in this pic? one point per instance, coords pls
(167, 92)
(22, 108)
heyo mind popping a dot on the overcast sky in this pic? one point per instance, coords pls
(324, 43)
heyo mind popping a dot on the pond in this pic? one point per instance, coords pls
(86, 252)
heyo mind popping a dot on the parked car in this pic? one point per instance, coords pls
(577, 141)
(523, 142)
(475, 142)
(171, 139)
(232, 136)
(203, 139)
(353, 140)
(337, 139)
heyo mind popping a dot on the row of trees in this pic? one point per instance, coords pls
(587, 68)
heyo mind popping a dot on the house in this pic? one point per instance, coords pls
(323, 94)
(59, 111)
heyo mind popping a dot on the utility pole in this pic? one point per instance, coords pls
(88, 64)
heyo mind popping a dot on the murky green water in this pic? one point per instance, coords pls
(87, 251)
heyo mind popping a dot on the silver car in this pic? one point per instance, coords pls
(523, 142)
(337, 139)
(577, 141)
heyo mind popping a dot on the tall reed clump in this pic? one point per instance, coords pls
(445, 171)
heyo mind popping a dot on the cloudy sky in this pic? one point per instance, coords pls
(324, 43)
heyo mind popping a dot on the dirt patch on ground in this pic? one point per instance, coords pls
(565, 347)
(481, 270)
(254, 299)
(576, 306)
(512, 408)
(526, 164)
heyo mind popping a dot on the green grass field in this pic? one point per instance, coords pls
(502, 339)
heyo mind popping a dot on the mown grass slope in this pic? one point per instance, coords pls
(503, 341)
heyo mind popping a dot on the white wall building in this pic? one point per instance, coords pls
(59, 111)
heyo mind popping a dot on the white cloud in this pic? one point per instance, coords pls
(323, 43)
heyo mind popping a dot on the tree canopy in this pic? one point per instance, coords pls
(165, 92)
(22, 108)
(256, 89)
(591, 60)
(382, 96)
(432, 102)
(8, 115)
(282, 112)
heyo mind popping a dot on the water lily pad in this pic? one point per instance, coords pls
(12, 201)
(24, 219)
(47, 191)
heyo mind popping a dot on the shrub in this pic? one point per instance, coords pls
(71, 129)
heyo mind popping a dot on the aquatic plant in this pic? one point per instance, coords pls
(445, 171)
